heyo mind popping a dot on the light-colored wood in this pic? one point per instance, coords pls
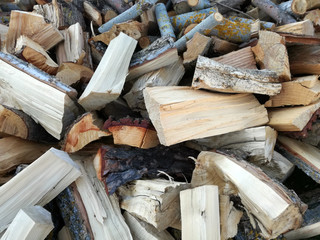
(200, 213)
(302, 6)
(222, 46)
(3, 36)
(107, 81)
(70, 73)
(92, 12)
(296, 92)
(291, 118)
(271, 53)
(108, 13)
(153, 201)
(33, 26)
(181, 113)
(212, 75)
(144, 231)
(32, 222)
(265, 200)
(304, 232)
(38, 184)
(314, 16)
(64, 234)
(148, 18)
(299, 28)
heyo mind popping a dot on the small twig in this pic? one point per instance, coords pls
(166, 174)
(192, 158)
(92, 30)
(236, 10)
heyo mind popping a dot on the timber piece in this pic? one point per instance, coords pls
(257, 142)
(3, 35)
(72, 73)
(200, 213)
(132, 132)
(146, 41)
(86, 128)
(54, 168)
(314, 16)
(270, 26)
(274, 11)
(108, 13)
(133, 29)
(299, 28)
(286, 7)
(271, 53)
(296, 92)
(116, 166)
(198, 45)
(159, 54)
(242, 58)
(144, 231)
(33, 26)
(133, 12)
(92, 12)
(212, 75)
(302, 6)
(149, 19)
(163, 21)
(181, 113)
(296, 39)
(107, 81)
(38, 94)
(33, 222)
(275, 209)
(181, 6)
(165, 76)
(223, 6)
(64, 234)
(291, 118)
(33, 53)
(153, 201)
(309, 231)
(221, 46)
(303, 155)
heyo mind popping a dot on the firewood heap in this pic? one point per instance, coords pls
(164, 120)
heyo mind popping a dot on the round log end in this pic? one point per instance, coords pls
(193, 3)
(218, 17)
(299, 6)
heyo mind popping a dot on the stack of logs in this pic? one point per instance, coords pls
(159, 119)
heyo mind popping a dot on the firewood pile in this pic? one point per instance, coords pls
(164, 120)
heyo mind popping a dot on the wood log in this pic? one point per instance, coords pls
(212, 75)
(302, 6)
(33, 26)
(3, 35)
(149, 19)
(221, 46)
(296, 39)
(299, 28)
(291, 118)
(72, 73)
(30, 222)
(314, 17)
(163, 21)
(273, 207)
(117, 166)
(64, 234)
(119, 5)
(297, 92)
(45, 99)
(200, 213)
(271, 54)
(55, 168)
(181, 113)
(181, 6)
(153, 201)
(146, 41)
(108, 13)
(270, 26)
(286, 7)
(304, 232)
(223, 6)
(93, 13)
(107, 81)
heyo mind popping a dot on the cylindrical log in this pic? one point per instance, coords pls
(302, 6)
(108, 13)
(164, 21)
(181, 6)
(264, 25)
(199, 4)
(146, 41)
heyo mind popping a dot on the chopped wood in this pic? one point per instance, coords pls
(302, 6)
(71, 73)
(200, 213)
(181, 6)
(107, 81)
(3, 36)
(33, 222)
(132, 132)
(314, 16)
(271, 54)
(296, 39)
(164, 21)
(212, 75)
(181, 113)
(64, 234)
(146, 41)
(153, 201)
(304, 232)
(92, 12)
(291, 118)
(108, 13)
(119, 5)
(296, 92)
(299, 28)
(148, 18)
(54, 168)
(270, 26)
(273, 207)
(222, 46)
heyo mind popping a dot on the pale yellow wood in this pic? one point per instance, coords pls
(70, 73)
(93, 13)
(299, 28)
(180, 113)
(304, 232)
(3, 35)
(291, 118)
(301, 6)
(314, 16)
(64, 234)
(200, 213)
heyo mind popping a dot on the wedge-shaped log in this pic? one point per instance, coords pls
(212, 75)
(299, 28)
(153, 201)
(38, 94)
(181, 113)
(33, 222)
(71, 73)
(37, 184)
(200, 213)
(268, 202)
(107, 81)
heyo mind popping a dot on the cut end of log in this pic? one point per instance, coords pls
(193, 3)
(299, 7)
(218, 17)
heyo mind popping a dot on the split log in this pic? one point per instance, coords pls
(86, 128)
(144, 231)
(119, 5)
(314, 17)
(200, 213)
(212, 75)
(107, 81)
(181, 6)
(108, 13)
(291, 118)
(92, 12)
(55, 168)
(271, 54)
(32, 222)
(302, 6)
(221, 46)
(132, 132)
(38, 94)
(299, 28)
(299, 91)
(33, 26)
(117, 166)
(163, 21)
(149, 19)
(72, 73)
(181, 113)
(296, 39)
(304, 232)
(153, 201)
(275, 210)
